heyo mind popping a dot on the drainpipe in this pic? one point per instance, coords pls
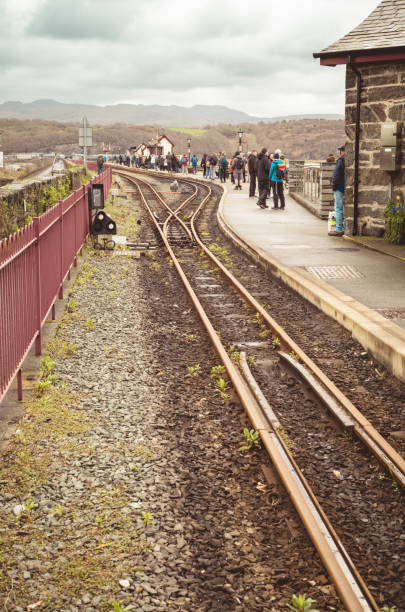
(356, 149)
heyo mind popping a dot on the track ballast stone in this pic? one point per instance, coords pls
(133, 486)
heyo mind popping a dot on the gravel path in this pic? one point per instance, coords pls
(125, 482)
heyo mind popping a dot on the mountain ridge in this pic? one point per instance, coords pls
(199, 115)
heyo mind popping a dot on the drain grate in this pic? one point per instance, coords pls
(346, 249)
(334, 272)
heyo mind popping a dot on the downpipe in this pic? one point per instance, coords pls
(356, 148)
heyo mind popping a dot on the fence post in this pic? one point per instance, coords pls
(38, 339)
(19, 385)
(75, 213)
(60, 296)
(85, 209)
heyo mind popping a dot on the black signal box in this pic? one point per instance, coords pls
(103, 224)
(96, 196)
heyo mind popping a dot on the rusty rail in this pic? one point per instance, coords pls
(349, 584)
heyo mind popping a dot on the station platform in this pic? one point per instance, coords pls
(362, 288)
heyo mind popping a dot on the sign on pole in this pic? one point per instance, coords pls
(85, 138)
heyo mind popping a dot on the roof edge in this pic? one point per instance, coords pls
(355, 52)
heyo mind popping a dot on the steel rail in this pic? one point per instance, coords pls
(352, 591)
(289, 459)
(383, 451)
(172, 214)
(345, 419)
(364, 430)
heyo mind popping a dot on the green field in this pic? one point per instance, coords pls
(191, 131)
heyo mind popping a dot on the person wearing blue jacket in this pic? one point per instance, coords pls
(338, 186)
(277, 182)
(194, 162)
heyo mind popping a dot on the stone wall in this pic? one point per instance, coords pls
(382, 100)
(18, 205)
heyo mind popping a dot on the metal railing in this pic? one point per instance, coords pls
(310, 184)
(312, 175)
(34, 263)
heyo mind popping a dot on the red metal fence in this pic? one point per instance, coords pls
(34, 263)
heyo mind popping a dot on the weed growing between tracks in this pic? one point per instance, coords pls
(135, 444)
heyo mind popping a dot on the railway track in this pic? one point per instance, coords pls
(236, 319)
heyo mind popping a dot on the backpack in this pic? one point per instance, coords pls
(224, 162)
(239, 163)
(280, 170)
(213, 160)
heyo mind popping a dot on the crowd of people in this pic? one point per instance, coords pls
(168, 162)
(269, 171)
(266, 172)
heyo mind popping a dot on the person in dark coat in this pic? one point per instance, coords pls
(252, 173)
(100, 164)
(204, 164)
(175, 167)
(262, 173)
(238, 164)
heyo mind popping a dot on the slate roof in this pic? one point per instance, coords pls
(384, 28)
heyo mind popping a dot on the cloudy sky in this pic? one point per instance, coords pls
(253, 55)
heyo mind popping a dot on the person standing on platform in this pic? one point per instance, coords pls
(207, 168)
(223, 167)
(238, 163)
(204, 164)
(262, 173)
(100, 164)
(184, 164)
(245, 161)
(276, 176)
(213, 165)
(252, 173)
(338, 186)
(271, 158)
(194, 163)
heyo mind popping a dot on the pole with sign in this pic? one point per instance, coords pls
(85, 139)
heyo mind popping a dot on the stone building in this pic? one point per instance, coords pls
(161, 145)
(374, 54)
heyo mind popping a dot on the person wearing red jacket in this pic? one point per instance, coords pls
(184, 164)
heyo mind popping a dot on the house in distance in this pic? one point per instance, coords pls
(160, 145)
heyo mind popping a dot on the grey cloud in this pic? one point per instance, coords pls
(77, 19)
(254, 56)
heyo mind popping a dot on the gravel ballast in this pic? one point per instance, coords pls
(129, 472)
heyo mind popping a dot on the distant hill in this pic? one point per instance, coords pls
(298, 139)
(138, 114)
